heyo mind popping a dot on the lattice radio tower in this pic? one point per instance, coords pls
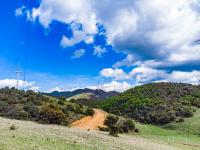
(18, 72)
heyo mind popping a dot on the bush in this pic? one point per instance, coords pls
(12, 127)
(106, 129)
(128, 125)
(187, 112)
(72, 100)
(111, 120)
(61, 100)
(118, 125)
(52, 115)
(32, 110)
(180, 120)
(3, 108)
(89, 112)
(136, 130)
(16, 113)
(114, 131)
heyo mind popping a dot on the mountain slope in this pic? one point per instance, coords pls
(97, 94)
(156, 103)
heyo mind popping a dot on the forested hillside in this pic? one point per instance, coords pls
(16, 104)
(156, 103)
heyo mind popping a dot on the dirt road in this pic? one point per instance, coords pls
(91, 122)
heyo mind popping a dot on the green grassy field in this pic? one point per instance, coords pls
(186, 133)
(33, 136)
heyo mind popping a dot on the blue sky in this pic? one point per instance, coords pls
(77, 44)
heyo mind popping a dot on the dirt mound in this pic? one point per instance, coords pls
(91, 122)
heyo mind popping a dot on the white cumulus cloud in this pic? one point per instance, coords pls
(117, 74)
(116, 86)
(78, 53)
(156, 29)
(98, 51)
(21, 84)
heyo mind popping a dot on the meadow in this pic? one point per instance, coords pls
(30, 136)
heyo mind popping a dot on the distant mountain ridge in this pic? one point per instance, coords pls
(96, 94)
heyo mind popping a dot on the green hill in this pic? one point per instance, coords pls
(156, 103)
(28, 105)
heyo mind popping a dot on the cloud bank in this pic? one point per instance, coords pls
(21, 84)
(156, 35)
(161, 30)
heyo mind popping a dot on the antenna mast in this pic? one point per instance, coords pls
(18, 72)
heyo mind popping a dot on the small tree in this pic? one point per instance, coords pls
(62, 100)
(111, 122)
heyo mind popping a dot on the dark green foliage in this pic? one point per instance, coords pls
(156, 103)
(16, 113)
(12, 127)
(94, 103)
(128, 125)
(61, 100)
(51, 114)
(32, 110)
(136, 130)
(89, 112)
(117, 125)
(111, 120)
(16, 104)
(105, 129)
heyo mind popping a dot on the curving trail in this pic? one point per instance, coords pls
(91, 122)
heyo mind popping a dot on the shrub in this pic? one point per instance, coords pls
(180, 120)
(128, 125)
(61, 100)
(89, 111)
(72, 100)
(3, 108)
(118, 125)
(114, 131)
(12, 127)
(136, 130)
(52, 115)
(32, 110)
(16, 113)
(111, 120)
(106, 129)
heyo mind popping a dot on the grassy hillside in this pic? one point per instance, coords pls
(29, 135)
(81, 96)
(184, 132)
(156, 103)
(87, 99)
(16, 104)
(189, 126)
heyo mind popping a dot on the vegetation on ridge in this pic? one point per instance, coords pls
(156, 103)
(16, 104)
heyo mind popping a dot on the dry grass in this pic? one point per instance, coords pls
(31, 135)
